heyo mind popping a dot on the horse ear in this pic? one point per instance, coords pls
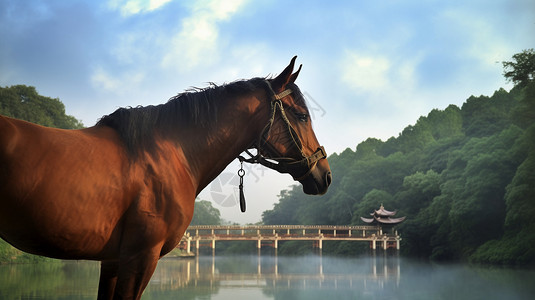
(283, 79)
(294, 75)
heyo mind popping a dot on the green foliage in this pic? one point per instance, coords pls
(9, 254)
(23, 102)
(464, 177)
(484, 116)
(521, 70)
(205, 214)
(282, 212)
(524, 113)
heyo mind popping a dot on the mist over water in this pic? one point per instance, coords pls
(283, 278)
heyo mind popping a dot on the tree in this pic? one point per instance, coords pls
(283, 212)
(418, 191)
(521, 70)
(23, 102)
(205, 214)
(445, 124)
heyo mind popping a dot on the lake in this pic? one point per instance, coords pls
(283, 278)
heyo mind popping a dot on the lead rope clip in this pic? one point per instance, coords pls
(241, 173)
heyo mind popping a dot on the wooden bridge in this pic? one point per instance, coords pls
(270, 235)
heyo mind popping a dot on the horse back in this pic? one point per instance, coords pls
(69, 193)
(56, 184)
(28, 149)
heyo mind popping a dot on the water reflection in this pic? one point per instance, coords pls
(55, 280)
(281, 278)
(316, 277)
(275, 276)
(261, 271)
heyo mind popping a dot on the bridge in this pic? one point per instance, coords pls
(270, 235)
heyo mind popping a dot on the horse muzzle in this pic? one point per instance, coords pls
(318, 179)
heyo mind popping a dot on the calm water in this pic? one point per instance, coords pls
(285, 278)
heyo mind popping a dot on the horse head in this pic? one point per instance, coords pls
(288, 143)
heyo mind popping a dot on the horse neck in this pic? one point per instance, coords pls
(210, 149)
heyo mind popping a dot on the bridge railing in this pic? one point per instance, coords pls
(317, 233)
(271, 227)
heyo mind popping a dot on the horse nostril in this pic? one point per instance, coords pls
(328, 178)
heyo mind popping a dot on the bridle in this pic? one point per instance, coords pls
(298, 168)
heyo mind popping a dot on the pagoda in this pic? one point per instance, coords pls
(382, 216)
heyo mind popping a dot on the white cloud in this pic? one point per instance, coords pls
(379, 74)
(132, 7)
(198, 41)
(367, 73)
(481, 38)
(224, 9)
(101, 79)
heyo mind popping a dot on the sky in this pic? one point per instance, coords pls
(370, 68)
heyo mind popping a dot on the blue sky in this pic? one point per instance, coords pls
(370, 68)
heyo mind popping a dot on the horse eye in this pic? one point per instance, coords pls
(302, 117)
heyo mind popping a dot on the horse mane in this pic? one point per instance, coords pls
(138, 126)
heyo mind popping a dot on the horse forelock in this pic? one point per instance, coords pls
(138, 126)
(298, 97)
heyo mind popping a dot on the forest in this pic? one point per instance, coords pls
(464, 178)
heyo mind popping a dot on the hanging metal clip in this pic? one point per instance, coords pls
(241, 173)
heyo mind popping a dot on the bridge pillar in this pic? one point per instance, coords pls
(384, 244)
(188, 248)
(398, 239)
(259, 244)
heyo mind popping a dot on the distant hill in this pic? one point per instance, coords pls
(464, 177)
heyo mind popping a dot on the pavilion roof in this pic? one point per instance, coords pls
(383, 216)
(383, 212)
(382, 220)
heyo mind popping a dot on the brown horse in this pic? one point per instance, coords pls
(122, 192)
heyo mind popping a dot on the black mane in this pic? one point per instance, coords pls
(137, 126)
